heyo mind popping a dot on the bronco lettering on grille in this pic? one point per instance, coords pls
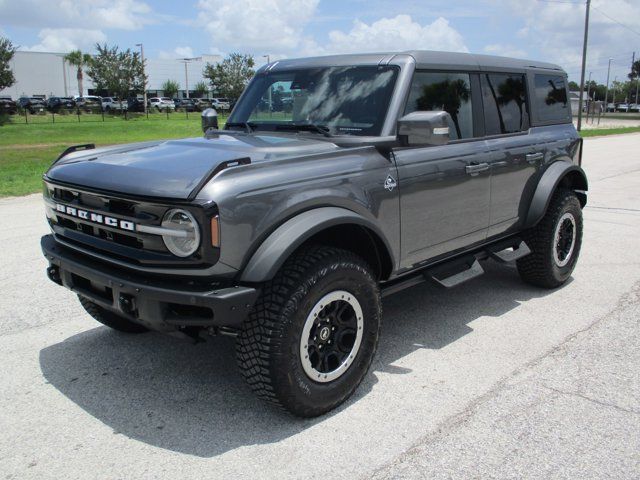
(96, 217)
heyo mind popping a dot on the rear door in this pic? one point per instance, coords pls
(444, 190)
(514, 158)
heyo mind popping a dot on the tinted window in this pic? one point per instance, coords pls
(551, 98)
(505, 103)
(450, 92)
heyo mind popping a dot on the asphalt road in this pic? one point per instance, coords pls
(493, 379)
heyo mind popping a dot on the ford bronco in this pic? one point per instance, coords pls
(335, 181)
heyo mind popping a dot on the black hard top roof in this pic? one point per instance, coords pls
(425, 59)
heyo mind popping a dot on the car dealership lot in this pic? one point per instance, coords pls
(493, 378)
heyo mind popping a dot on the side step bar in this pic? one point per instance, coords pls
(459, 270)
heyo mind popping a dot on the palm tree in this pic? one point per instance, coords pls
(447, 95)
(78, 60)
(512, 89)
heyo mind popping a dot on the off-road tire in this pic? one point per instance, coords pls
(110, 319)
(268, 347)
(539, 268)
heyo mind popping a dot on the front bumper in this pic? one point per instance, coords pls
(156, 303)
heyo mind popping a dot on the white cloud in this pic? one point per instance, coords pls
(67, 39)
(556, 30)
(256, 25)
(178, 52)
(397, 34)
(505, 50)
(102, 14)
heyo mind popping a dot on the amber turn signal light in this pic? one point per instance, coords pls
(215, 231)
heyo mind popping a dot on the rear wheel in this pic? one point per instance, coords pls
(555, 243)
(109, 318)
(314, 331)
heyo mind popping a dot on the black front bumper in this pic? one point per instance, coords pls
(156, 303)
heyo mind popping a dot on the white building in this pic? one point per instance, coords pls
(47, 74)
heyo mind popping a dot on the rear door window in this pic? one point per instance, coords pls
(550, 98)
(505, 103)
(444, 91)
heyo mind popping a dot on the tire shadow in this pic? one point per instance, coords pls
(190, 398)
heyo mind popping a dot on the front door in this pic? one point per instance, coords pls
(444, 190)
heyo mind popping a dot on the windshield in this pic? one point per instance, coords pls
(349, 100)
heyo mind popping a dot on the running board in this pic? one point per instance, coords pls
(444, 276)
(510, 253)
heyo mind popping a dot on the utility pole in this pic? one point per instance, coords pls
(584, 61)
(637, 77)
(144, 75)
(627, 99)
(606, 91)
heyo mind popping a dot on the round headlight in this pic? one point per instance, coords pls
(184, 239)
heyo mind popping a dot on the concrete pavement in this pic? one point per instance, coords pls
(493, 378)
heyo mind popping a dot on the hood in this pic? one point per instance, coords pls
(175, 169)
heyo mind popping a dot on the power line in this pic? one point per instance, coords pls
(618, 22)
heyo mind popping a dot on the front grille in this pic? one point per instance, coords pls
(134, 247)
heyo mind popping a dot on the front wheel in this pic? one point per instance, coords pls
(314, 332)
(555, 243)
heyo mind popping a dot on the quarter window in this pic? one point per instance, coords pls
(450, 92)
(551, 98)
(505, 103)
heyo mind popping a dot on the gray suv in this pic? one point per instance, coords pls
(336, 181)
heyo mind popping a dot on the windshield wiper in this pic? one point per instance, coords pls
(248, 126)
(310, 127)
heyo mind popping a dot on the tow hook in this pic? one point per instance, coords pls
(127, 303)
(53, 273)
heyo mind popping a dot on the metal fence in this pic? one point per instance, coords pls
(97, 115)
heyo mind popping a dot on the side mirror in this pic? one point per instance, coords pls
(425, 128)
(209, 119)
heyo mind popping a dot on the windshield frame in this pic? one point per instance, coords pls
(241, 114)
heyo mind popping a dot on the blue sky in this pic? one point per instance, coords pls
(549, 30)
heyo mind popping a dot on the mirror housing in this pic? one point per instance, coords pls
(425, 128)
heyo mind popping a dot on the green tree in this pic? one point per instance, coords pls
(121, 73)
(6, 54)
(170, 88)
(574, 87)
(230, 76)
(201, 89)
(79, 60)
(635, 70)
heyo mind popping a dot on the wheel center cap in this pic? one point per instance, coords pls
(324, 333)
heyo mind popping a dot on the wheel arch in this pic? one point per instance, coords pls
(558, 174)
(331, 226)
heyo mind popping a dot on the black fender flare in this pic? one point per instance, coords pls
(284, 240)
(552, 177)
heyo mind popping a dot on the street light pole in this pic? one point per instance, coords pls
(606, 91)
(584, 61)
(144, 75)
(186, 72)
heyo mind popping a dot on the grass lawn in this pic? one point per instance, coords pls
(26, 151)
(596, 132)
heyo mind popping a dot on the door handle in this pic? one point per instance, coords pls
(475, 168)
(534, 157)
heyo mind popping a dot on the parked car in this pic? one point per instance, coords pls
(634, 107)
(8, 106)
(185, 104)
(202, 103)
(113, 104)
(55, 104)
(611, 107)
(286, 231)
(220, 103)
(162, 103)
(623, 107)
(32, 105)
(89, 103)
(135, 104)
